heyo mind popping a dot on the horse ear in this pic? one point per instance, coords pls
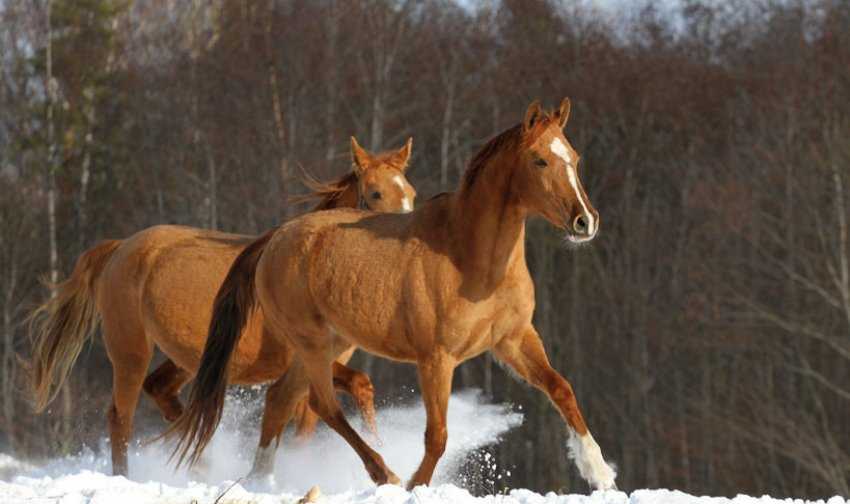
(402, 156)
(532, 115)
(563, 112)
(359, 157)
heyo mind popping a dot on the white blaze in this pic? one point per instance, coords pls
(406, 206)
(559, 149)
(398, 181)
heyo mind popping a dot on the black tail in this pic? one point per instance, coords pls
(233, 304)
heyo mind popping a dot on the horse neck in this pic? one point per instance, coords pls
(347, 197)
(489, 225)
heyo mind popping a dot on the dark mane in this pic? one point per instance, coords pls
(508, 139)
(505, 139)
(327, 192)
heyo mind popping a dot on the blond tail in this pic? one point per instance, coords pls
(61, 326)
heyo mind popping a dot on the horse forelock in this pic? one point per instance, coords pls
(385, 157)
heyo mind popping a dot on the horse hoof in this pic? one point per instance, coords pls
(392, 479)
(605, 486)
(260, 482)
(312, 495)
(413, 484)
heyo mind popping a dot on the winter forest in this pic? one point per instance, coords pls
(706, 331)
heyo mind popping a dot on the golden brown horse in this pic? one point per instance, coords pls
(157, 287)
(435, 287)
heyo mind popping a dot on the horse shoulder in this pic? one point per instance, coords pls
(519, 285)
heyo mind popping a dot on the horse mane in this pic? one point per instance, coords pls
(511, 138)
(327, 192)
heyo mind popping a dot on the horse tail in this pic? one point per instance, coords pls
(233, 304)
(61, 326)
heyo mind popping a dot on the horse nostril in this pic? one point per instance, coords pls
(580, 224)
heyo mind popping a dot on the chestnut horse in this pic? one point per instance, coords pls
(157, 288)
(435, 287)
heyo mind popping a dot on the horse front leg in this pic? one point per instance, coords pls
(355, 383)
(359, 386)
(525, 354)
(435, 382)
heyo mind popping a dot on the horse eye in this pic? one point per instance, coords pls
(376, 195)
(541, 162)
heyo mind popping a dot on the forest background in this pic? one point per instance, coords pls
(706, 330)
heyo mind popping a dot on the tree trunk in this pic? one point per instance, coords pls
(277, 107)
(332, 81)
(85, 170)
(377, 130)
(52, 154)
(8, 367)
(52, 167)
(446, 137)
(85, 176)
(212, 187)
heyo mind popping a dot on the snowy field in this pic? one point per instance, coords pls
(327, 463)
(96, 488)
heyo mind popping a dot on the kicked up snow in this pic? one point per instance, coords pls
(326, 460)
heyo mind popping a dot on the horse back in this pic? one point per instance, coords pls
(160, 285)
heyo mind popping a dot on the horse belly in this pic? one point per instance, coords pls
(179, 321)
(177, 317)
(388, 347)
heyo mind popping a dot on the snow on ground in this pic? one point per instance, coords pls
(96, 488)
(326, 461)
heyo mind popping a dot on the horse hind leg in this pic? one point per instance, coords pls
(307, 420)
(282, 399)
(163, 386)
(129, 366)
(318, 364)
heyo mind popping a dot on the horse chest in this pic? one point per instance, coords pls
(473, 328)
